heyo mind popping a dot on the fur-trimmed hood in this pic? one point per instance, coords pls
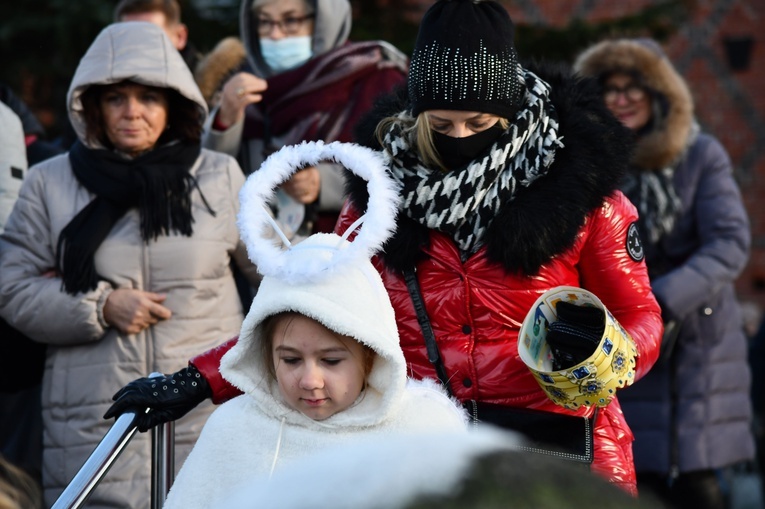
(544, 219)
(669, 138)
(216, 67)
(351, 301)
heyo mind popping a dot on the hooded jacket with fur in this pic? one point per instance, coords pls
(88, 361)
(693, 410)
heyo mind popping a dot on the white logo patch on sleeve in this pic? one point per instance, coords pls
(634, 245)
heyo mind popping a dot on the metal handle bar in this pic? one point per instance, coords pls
(109, 449)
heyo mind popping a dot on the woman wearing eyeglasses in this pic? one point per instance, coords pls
(299, 80)
(691, 414)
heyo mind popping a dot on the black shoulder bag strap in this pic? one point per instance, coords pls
(434, 356)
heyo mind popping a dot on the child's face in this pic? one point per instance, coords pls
(318, 371)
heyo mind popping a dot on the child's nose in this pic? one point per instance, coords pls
(311, 378)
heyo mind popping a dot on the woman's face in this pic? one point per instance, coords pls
(460, 124)
(134, 116)
(627, 100)
(319, 372)
(284, 18)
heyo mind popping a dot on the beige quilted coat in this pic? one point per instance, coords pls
(86, 362)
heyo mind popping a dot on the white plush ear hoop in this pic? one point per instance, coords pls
(256, 224)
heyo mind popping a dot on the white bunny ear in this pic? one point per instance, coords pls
(257, 227)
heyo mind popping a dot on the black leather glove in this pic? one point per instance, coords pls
(576, 334)
(168, 397)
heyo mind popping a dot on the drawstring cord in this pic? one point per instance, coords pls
(287, 242)
(278, 446)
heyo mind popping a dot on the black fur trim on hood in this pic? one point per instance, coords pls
(543, 220)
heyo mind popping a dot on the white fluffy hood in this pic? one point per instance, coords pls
(324, 277)
(351, 301)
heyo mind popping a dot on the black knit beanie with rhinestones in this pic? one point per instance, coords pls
(464, 59)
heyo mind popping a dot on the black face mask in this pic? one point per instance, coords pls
(457, 152)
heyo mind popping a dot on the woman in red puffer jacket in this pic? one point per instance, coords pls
(509, 189)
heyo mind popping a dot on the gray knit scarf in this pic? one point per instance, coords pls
(463, 202)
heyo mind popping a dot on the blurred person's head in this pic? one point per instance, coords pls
(281, 35)
(17, 488)
(285, 31)
(166, 14)
(485, 468)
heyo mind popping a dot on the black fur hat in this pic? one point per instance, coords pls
(464, 59)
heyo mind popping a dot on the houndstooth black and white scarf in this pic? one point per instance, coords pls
(462, 202)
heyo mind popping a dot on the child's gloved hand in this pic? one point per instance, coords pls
(576, 334)
(169, 397)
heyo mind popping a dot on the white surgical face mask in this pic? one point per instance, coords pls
(287, 53)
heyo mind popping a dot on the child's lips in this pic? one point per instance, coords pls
(314, 402)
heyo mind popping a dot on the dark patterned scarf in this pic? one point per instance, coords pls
(653, 194)
(463, 202)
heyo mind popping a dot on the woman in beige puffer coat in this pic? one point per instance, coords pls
(117, 255)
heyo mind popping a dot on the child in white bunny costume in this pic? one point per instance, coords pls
(332, 282)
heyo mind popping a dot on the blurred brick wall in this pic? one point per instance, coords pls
(730, 103)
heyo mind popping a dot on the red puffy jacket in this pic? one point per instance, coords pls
(476, 309)
(568, 228)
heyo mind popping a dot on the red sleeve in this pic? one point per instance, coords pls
(208, 365)
(217, 125)
(617, 274)
(348, 214)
